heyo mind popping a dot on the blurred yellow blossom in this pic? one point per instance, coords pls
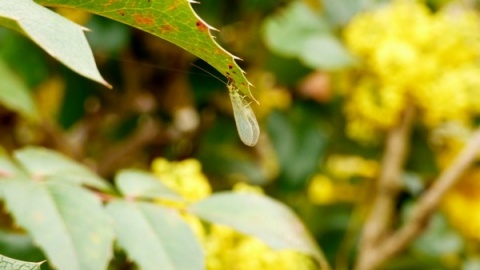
(447, 140)
(344, 167)
(268, 94)
(184, 177)
(228, 249)
(323, 190)
(412, 56)
(461, 204)
(224, 247)
(336, 186)
(244, 187)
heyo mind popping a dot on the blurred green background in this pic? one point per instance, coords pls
(321, 143)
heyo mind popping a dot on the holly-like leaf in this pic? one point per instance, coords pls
(66, 221)
(14, 94)
(41, 163)
(172, 20)
(258, 216)
(61, 38)
(7, 263)
(138, 184)
(155, 237)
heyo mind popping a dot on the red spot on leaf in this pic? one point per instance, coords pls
(121, 12)
(165, 28)
(230, 66)
(201, 26)
(146, 20)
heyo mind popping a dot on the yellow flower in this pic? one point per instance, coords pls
(345, 167)
(461, 204)
(184, 177)
(224, 247)
(227, 249)
(412, 56)
(323, 190)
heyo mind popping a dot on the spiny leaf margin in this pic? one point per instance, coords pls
(172, 20)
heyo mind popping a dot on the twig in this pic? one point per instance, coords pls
(426, 205)
(388, 186)
(113, 156)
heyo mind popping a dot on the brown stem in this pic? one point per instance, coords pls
(113, 156)
(388, 186)
(426, 205)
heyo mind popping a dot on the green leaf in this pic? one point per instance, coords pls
(15, 95)
(155, 237)
(305, 139)
(8, 169)
(59, 37)
(258, 216)
(286, 32)
(66, 221)
(326, 52)
(439, 239)
(7, 263)
(172, 20)
(300, 32)
(41, 162)
(138, 184)
(340, 12)
(19, 245)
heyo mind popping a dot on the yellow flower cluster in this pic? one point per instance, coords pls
(228, 249)
(336, 186)
(344, 167)
(224, 247)
(184, 177)
(412, 56)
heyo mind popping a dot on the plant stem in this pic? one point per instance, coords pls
(388, 186)
(388, 246)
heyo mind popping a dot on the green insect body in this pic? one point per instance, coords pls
(247, 125)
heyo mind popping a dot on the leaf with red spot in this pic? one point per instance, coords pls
(172, 20)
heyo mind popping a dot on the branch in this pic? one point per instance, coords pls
(426, 205)
(388, 186)
(113, 156)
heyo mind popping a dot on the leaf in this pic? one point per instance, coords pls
(258, 216)
(8, 169)
(286, 32)
(155, 237)
(59, 37)
(66, 221)
(325, 51)
(19, 245)
(135, 183)
(41, 162)
(7, 263)
(300, 32)
(305, 139)
(172, 20)
(15, 95)
(341, 11)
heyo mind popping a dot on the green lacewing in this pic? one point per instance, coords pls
(247, 125)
